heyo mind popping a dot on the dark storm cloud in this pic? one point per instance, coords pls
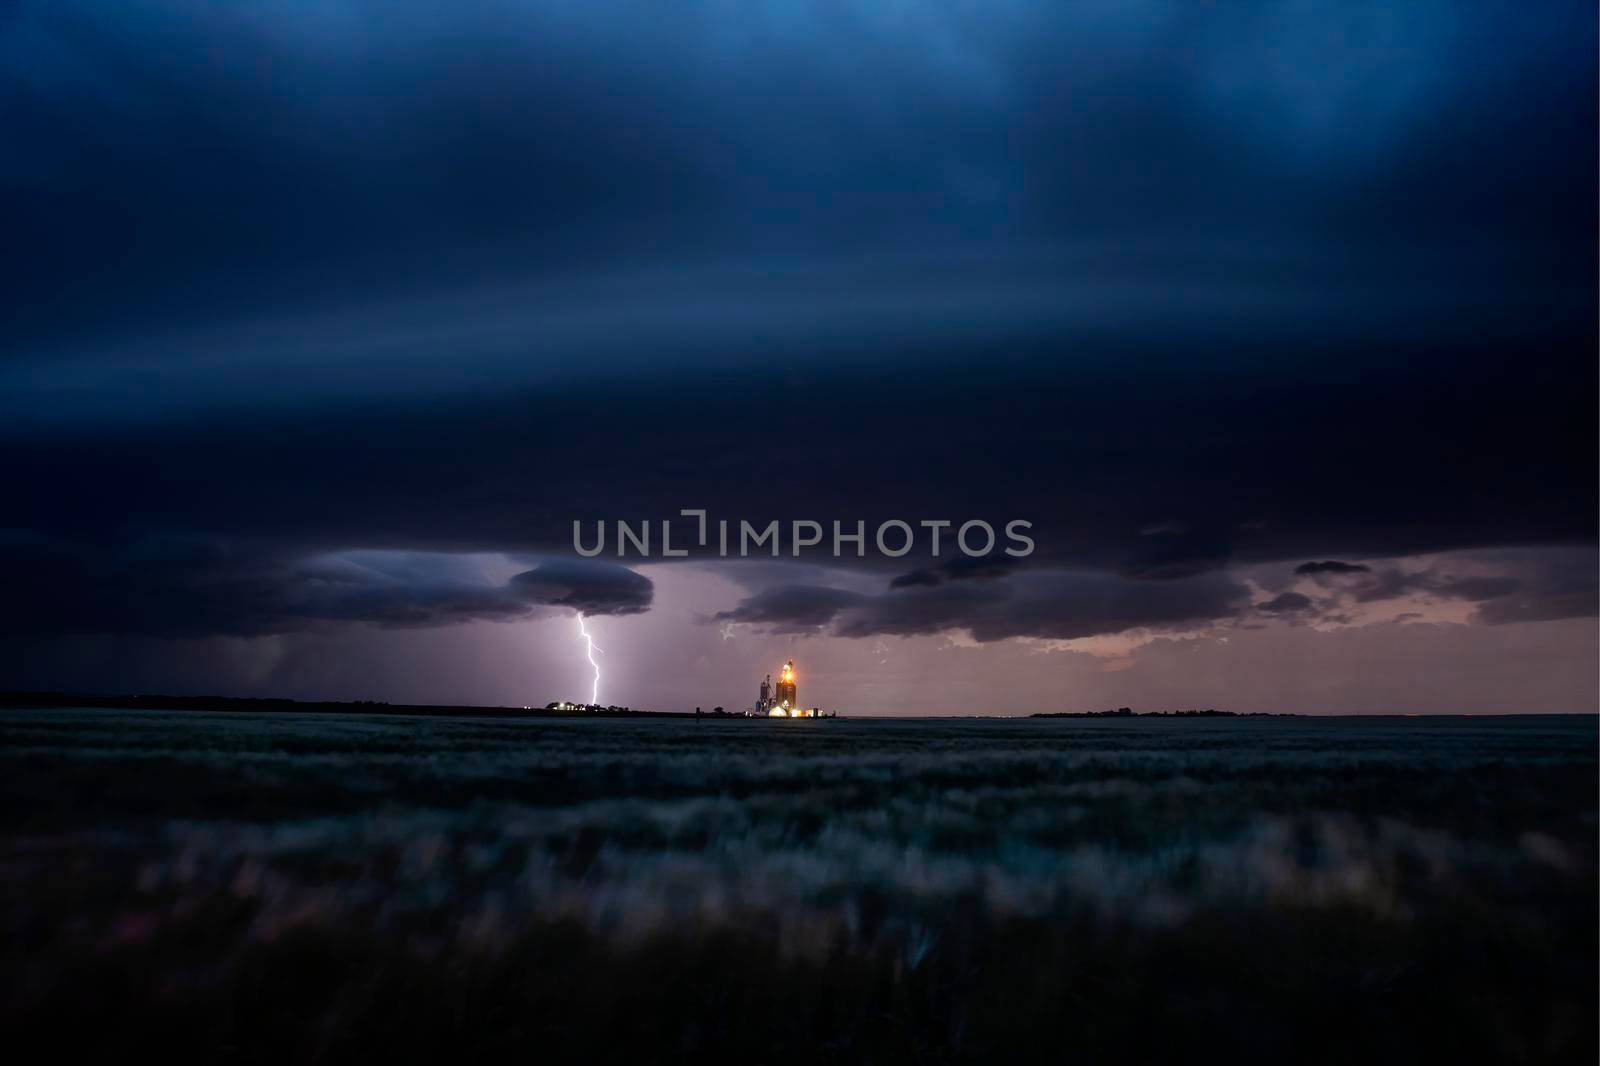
(1184, 285)
(927, 610)
(587, 586)
(792, 608)
(1545, 606)
(961, 568)
(1392, 582)
(1286, 603)
(1513, 585)
(1332, 566)
(297, 152)
(1173, 550)
(1551, 586)
(512, 472)
(1046, 604)
(912, 578)
(979, 567)
(189, 588)
(1075, 605)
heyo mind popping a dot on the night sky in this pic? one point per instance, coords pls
(323, 321)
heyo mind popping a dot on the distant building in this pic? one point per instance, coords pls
(787, 693)
(783, 700)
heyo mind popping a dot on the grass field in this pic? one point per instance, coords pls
(271, 888)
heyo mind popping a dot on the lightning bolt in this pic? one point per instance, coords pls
(589, 649)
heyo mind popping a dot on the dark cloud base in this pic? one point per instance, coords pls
(308, 305)
(1048, 604)
(189, 588)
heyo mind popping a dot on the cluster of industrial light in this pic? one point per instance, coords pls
(785, 708)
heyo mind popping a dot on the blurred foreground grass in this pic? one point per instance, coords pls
(230, 888)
